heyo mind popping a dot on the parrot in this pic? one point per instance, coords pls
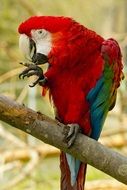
(83, 75)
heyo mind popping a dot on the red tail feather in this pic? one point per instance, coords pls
(65, 175)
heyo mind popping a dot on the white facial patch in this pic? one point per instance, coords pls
(42, 39)
(24, 45)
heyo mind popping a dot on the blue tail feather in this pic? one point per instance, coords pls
(74, 166)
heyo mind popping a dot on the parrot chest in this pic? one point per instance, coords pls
(69, 99)
(69, 90)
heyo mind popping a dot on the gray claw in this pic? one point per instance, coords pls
(72, 134)
(43, 81)
(32, 70)
(34, 83)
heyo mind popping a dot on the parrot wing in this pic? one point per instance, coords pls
(102, 97)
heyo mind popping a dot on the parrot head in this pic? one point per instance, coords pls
(40, 35)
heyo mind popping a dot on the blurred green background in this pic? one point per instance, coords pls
(107, 18)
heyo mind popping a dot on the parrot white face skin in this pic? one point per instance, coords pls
(39, 43)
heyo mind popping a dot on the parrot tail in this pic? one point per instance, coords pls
(72, 172)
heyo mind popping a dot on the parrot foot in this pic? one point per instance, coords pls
(33, 70)
(74, 129)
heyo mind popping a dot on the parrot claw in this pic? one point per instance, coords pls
(74, 129)
(33, 70)
(41, 82)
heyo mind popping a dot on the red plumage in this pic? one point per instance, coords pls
(69, 83)
(49, 23)
(77, 61)
(65, 175)
(69, 73)
(74, 49)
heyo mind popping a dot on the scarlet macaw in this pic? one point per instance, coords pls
(83, 76)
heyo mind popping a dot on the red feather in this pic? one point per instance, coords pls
(72, 54)
(65, 175)
(76, 63)
(50, 23)
(70, 80)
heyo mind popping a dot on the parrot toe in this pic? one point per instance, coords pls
(74, 129)
(31, 70)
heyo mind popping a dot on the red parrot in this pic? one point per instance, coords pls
(84, 72)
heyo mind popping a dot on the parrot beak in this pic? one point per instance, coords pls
(39, 59)
(30, 51)
(24, 46)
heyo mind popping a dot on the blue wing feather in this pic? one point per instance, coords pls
(99, 100)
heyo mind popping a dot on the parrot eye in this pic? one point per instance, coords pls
(40, 32)
(42, 41)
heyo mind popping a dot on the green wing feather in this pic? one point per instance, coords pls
(102, 97)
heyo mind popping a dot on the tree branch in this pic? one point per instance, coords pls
(52, 132)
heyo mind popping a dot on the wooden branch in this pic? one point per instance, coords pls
(52, 132)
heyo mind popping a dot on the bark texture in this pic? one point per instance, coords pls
(53, 132)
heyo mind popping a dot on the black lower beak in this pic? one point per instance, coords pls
(39, 59)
